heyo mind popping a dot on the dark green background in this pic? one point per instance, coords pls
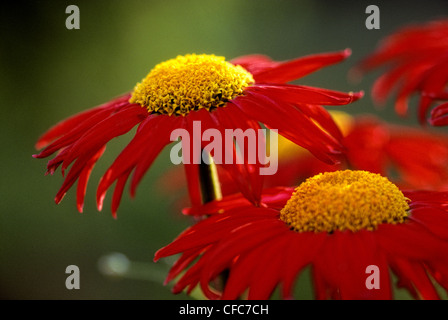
(49, 73)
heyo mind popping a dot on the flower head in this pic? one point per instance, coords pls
(366, 221)
(190, 83)
(241, 94)
(344, 200)
(416, 62)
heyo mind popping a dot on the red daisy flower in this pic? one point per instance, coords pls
(416, 58)
(342, 224)
(220, 95)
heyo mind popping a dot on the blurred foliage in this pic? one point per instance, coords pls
(49, 72)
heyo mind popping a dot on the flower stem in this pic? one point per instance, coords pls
(211, 190)
(210, 186)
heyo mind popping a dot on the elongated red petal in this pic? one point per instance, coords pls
(301, 251)
(410, 240)
(298, 68)
(269, 268)
(306, 95)
(439, 115)
(241, 274)
(255, 63)
(417, 277)
(63, 127)
(84, 177)
(111, 127)
(230, 247)
(291, 124)
(71, 136)
(206, 232)
(250, 180)
(160, 137)
(153, 133)
(118, 193)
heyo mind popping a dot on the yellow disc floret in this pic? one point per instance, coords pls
(190, 82)
(344, 200)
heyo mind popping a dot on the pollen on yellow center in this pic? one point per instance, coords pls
(190, 82)
(344, 200)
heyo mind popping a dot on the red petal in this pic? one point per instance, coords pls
(210, 230)
(243, 238)
(343, 263)
(302, 250)
(306, 94)
(268, 272)
(409, 240)
(298, 68)
(149, 139)
(118, 192)
(414, 274)
(71, 136)
(255, 63)
(111, 127)
(72, 122)
(84, 177)
(291, 124)
(439, 115)
(247, 176)
(160, 137)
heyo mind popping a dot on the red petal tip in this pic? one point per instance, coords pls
(59, 198)
(156, 256)
(100, 201)
(347, 52)
(358, 95)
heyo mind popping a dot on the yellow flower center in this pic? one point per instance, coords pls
(190, 82)
(344, 200)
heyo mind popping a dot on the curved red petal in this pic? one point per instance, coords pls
(439, 115)
(294, 69)
(72, 122)
(84, 177)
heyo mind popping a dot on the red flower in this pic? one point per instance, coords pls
(416, 58)
(412, 157)
(340, 224)
(203, 88)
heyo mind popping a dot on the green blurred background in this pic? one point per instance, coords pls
(49, 72)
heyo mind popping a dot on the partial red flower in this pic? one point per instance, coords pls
(411, 157)
(220, 95)
(322, 224)
(415, 58)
